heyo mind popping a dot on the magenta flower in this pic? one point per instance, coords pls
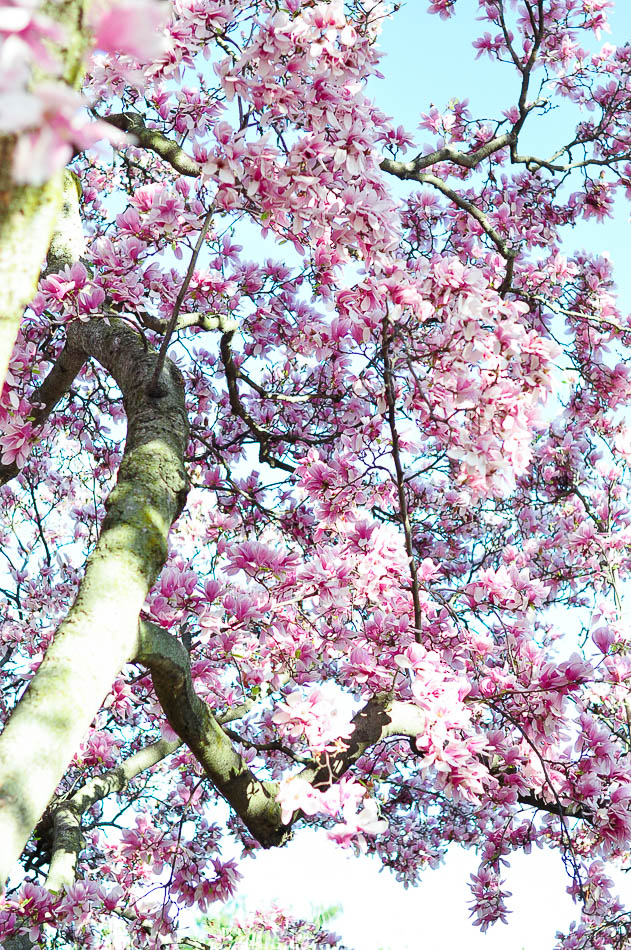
(15, 441)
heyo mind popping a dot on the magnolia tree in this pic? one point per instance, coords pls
(331, 529)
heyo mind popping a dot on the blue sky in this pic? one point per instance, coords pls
(429, 60)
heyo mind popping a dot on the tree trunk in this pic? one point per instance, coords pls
(99, 635)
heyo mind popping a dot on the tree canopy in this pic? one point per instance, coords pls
(316, 449)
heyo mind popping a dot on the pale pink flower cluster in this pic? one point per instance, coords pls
(346, 800)
(447, 741)
(16, 412)
(69, 294)
(318, 715)
(33, 907)
(489, 897)
(276, 924)
(174, 593)
(49, 117)
(508, 588)
(15, 440)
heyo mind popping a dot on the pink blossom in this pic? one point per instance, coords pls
(297, 794)
(132, 27)
(15, 441)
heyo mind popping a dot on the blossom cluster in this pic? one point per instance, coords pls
(49, 116)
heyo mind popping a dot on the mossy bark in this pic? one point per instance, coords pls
(252, 799)
(99, 634)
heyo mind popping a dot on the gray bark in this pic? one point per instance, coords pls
(28, 214)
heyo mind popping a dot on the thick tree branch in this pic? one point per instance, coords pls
(171, 152)
(185, 320)
(67, 837)
(508, 253)
(100, 632)
(20, 941)
(381, 718)
(447, 154)
(406, 171)
(569, 810)
(253, 800)
(29, 213)
(66, 246)
(156, 142)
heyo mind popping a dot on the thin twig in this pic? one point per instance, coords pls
(154, 387)
(400, 479)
